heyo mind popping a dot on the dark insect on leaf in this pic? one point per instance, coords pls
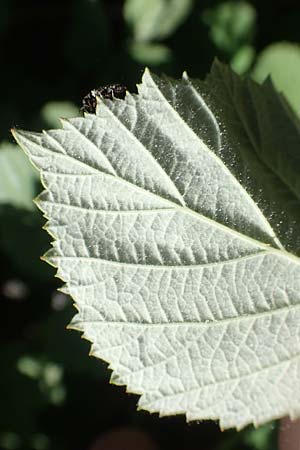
(89, 102)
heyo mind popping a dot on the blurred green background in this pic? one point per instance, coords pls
(52, 394)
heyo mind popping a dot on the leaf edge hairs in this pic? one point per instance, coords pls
(89, 101)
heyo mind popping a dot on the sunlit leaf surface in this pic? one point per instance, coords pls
(175, 214)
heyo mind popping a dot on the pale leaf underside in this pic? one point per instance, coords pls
(168, 242)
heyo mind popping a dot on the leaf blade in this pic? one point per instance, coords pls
(194, 307)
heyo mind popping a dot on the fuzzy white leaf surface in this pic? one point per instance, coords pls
(176, 217)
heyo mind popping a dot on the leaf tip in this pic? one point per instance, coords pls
(146, 75)
(16, 134)
(63, 121)
(72, 327)
(64, 289)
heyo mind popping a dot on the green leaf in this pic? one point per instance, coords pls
(52, 111)
(242, 60)
(261, 438)
(19, 221)
(232, 25)
(282, 62)
(153, 54)
(175, 214)
(18, 179)
(156, 19)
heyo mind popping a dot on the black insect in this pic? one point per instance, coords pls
(89, 102)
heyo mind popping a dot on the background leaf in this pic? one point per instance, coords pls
(165, 210)
(232, 25)
(155, 20)
(147, 53)
(281, 61)
(52, 111)
(20, 223)
(18, 179)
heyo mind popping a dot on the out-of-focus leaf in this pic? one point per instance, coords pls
(282, 62)
(242, 59)
(53, 111)
(29, 366)
(259, 439)
(155, 19)
(18, 179)
(252, 438)
(49, 375)
(21, 235)
(176, 217)
(10, 440)
(40, 441)
(232, 25)
(150, 54)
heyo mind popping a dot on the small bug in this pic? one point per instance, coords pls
(89, 102)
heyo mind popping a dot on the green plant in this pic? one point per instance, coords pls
(175, 216)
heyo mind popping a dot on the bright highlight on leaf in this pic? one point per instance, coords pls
(176, 219)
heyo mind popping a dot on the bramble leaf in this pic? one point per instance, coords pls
(176, 220)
